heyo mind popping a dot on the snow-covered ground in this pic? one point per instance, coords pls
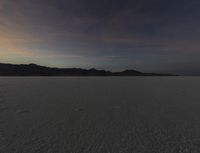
(100, 115)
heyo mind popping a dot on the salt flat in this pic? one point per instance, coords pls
(100, 115)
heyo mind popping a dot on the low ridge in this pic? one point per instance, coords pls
(37, 70)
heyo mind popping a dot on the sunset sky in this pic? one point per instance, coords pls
(147, 35)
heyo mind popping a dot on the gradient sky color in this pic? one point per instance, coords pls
(148, 35)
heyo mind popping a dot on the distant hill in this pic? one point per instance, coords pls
(37, 70)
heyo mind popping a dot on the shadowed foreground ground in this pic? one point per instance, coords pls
(100, 115)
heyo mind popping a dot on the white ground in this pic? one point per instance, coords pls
(100, 115)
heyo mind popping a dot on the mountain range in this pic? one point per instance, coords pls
(37, 70)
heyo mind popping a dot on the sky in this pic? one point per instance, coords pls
(147, 35)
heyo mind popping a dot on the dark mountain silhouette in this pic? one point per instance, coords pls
(37, 70)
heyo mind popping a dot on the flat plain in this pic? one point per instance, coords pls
(99, 114)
